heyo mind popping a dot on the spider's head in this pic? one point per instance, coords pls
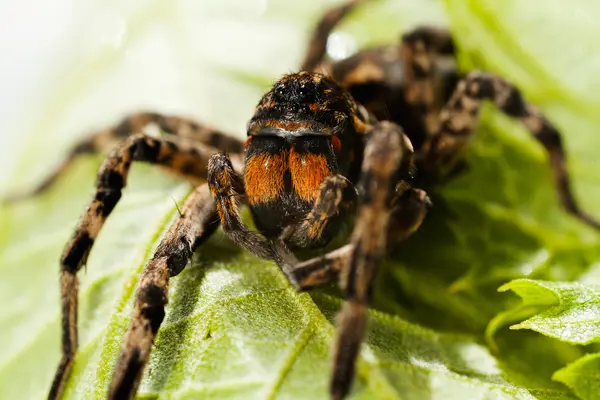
(304, 104)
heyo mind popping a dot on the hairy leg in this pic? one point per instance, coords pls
(408, 209)
(198, 219)
(423, 82)
(459, 118)
(385, 152)
(134, 124)
(189, 161)
(337, 197)
(226, 186)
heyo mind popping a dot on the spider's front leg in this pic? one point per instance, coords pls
(386, 150)
(387, 153)
(408, 210)
(188, 160)
(336, 196)
(198, 219)
(459, 117)
(336, 200)
(226, 186)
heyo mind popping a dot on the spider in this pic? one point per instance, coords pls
(365, 137)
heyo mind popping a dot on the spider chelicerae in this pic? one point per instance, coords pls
(365, 137)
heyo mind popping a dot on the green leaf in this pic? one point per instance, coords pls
(572, 311)
(583, 376)
(234, 327)
(569, 312)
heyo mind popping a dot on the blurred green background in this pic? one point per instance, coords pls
(234, 327)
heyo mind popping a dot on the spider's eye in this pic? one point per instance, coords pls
(302, 90)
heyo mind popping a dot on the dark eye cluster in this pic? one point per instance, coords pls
(294, 96)
(291, 108)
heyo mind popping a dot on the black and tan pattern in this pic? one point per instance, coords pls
(316, 154)
(184, 159)
(321, 270)
(132, 124)
(225, 187)
(197, 221)
(383, 154)
(336, 199)
(419, 50)
(459, 117)
(408, 210)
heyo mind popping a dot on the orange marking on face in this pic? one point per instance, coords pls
(263, 177)
(288, 125)
(247, 143)
(268, 104)
(314, 107)
(308, 172)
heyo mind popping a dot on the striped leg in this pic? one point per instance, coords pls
(423, 85)
(134, 124)
(337, 197)
(386, 150)
(459, 117)
(189, 161)
(198, 219)
(408, 209)
(226, 186)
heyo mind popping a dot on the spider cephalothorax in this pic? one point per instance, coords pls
(321, 147)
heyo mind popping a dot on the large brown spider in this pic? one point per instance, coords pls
(324, 144)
